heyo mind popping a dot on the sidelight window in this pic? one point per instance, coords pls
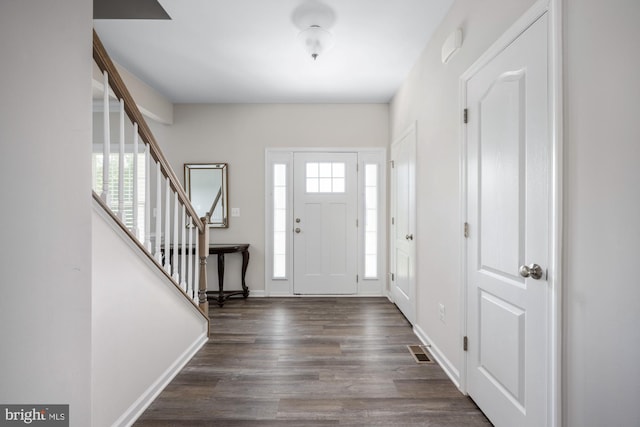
(279, 221)
(371, 221)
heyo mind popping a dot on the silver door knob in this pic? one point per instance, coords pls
(533, 270)
(297, 230)
(409, 237)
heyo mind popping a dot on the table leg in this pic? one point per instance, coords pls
(245, 264)
(220, 280)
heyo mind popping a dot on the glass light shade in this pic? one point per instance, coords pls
(316, 40)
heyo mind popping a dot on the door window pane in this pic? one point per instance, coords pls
(325, 185)
(325, 177)
(325, 170)
(338, 170)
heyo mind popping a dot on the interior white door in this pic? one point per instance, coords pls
(403, 176)
(509, 155)
(325, 223)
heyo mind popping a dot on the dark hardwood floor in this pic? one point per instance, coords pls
(310, 362)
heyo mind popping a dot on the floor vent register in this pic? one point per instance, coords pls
(420, 354)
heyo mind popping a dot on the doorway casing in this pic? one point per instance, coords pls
(283, 284)
(554, 359)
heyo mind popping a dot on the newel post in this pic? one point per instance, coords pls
(203, 249)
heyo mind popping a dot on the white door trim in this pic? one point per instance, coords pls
(283, 287)
(554, 10)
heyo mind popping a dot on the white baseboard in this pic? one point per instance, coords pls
(279, 295)
(289, 295)
(143, 402)
(258, 294)
(445, 364)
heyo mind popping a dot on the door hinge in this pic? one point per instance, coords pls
(357, 223)
(393, 164)
(357, 278)
(466, 230)
(393, 221)
(393, 277)
(465, 343)
(465, 115)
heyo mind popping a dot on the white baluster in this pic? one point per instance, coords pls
(183, 252)
(190, 258)
(121, 164)
(107, 141)
(167, 227)
(135, 229)
(196, 281)
(147, 198)
(158, 254)
(176, 238)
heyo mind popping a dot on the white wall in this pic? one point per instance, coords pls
(238, 135)
(602, 213)
(430, 96)
(151, 103)
(602, 195)
(144, 331)
(45, 222)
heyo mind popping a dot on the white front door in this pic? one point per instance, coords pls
(403, 176)
(509, 210)
(325, 223)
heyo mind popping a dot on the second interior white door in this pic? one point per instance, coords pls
(509, 210)
(325, 223)
(403, 176)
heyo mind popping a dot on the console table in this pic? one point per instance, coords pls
(221, 249)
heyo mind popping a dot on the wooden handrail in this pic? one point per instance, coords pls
(104, 62)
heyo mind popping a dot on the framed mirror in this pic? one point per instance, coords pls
(206, 185)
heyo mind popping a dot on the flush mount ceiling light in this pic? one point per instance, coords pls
(316, 40)
(314, 18)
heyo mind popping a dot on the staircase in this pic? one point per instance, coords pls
(150, 309)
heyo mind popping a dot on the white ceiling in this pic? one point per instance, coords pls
(246, 51)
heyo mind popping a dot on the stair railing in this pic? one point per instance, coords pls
(139, 189)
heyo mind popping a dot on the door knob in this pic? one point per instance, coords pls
(409, 237)
(533, 270)
(297, 230)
